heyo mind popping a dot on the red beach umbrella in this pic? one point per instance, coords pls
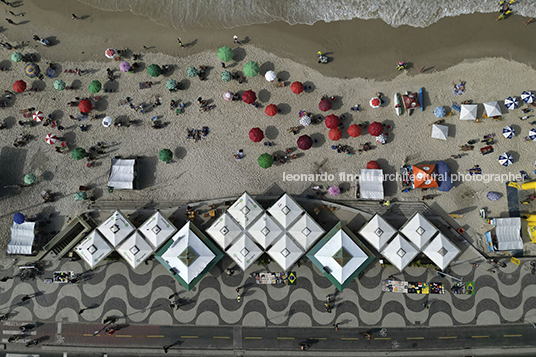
(271, 110)
(19, 86)
(335, 134)
(296, 87)
(324, 105)
(375, 129)
(249, 97)
(256, 135)
(51, 139)
(305, 142)
(354, 130)
(85, 106)
(38, 116)
(332, 121)
(373, 165)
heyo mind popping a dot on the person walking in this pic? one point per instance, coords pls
(235, 39)
(238, 298)
(336, 326)
(171, 305)
(180, 42)
(6, 278)
(238, 289)
(166, 348)
(26, 297)
(81, 311)
(74, 17)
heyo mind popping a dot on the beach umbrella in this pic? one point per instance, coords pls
(324, 105)
(493, 196)
(110, 53)
(59, 84)
(85, 106)
(32, 70)
(16, 56)
(335, 134)
(51, 138)
(107, 121)
(226, 76)
(95, 86)
(296, 87)
(191, 71)
(29, 179)
(375, 102)
(265, 160)
(251, 69)
(79, 153)
(354, 130)
(381, 139)
(332, 121)
(270, 76)
(249, 97)
(506, 159)
(18, 218)
(527, 96)
(125, 67)
(508, 132)
(532, 134)
(228, 96)
(225, 53)
(305, 120)
(256, 135)
(440, 112)
(165, 155)
(38, 116)
(440, 131)
(80, 196)
(305, 142)
(171, 84)
(373, 165)
(511, 103)
(271, 110)
(375, 129)
(19, 86)
(51, 73)
(154, 70)
(334, 191)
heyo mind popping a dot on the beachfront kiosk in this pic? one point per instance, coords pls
(123, 174)
(157, 230)
(135, 249)
(93, 249)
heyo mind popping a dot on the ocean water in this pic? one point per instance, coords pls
(184, 14)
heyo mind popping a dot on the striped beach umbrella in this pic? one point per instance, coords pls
(375, 102)
(110, 53)
(226, 76)
(381, 139)
(532, 134)
(32, 70)
(171, 84)
(527, 96)
(228, 96)
(506, 159)
(511, 103)
(509, 132)
(38, 116)
(51, 138)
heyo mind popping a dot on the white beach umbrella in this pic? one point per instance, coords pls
(532, 134)
(375, 102)
(440, 131)
(511, 103)
(270, 76)
(492, 109)
(107, 121)
(527, 96)
(305, 120)
(468, 112)
(51, 139)
(506, 159)
(38, 116)
(508, 132)
(228, 96)
(381, 139)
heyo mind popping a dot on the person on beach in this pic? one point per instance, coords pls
(529, 21)
(235, 39)
(74, 17)
(9, 21)
(180, 42)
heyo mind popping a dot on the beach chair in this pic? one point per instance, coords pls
(124, 101)
(145, 85)
(211, 213)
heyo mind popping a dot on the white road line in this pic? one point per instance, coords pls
(59, 328)
(17, 332)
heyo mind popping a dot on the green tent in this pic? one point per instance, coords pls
(59, 84)
(80, 196)
(226, 76)
(154, 70)
(192, 71)
(265, 161)
(16, 57)
(171, 84)
(165, 155)
(29, 179)
(79, 153)
(95, 86)
(225, 54)
(251, 69)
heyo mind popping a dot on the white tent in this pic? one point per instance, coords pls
(400, 252)
(93, 249)
(285, 211)
(244, 251)
(122, 174)
(22, 237)
(135, 249)
(285, 252)
(188, 255)
(492, 109)
(341, 256)
(508, 232)
(116, 228)
(265, 231)
(157, 230)
(440, 131)
(441, 251)
(305, 231)
(245, 210)
(468, 111)
(377, 232)
(371, 184)
(418, 230)
(224, 230)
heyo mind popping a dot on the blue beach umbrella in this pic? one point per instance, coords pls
(18, 218)
(527, 96)
(506, 159)
(440, 112)
(493, 196)
(508, 132)
(511, 103)
(532, 134)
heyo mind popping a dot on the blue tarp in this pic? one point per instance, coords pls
(444, 180)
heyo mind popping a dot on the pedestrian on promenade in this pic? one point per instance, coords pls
(426, 305)
(172, 296)
(26, 297)
(177, 306)
(238, 298)
(81, 311)
(171, 305)
(110, 319)
(336, 326)
(230, 272)
(6, 278)
(166, 348)
(238, 289)
(223, 65)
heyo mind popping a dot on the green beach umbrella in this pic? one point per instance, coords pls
(225, 54)
(251, 69)
(29, 179)
(95, 86)
(192, 71)
(154, 70)
(265, 161)
(80, 196)
(165, 155)
(16, 57)
(171, 84)
(226, 76)
(79, 153)
(59, 84)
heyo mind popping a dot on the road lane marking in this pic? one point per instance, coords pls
(447, 337)
(479, 336)
(123, 335)
(318, 338)
(252, 338)
(512, 335)
(414, 338)
(88, 334)
(189, 336)
(382, 338)
(349, 338)
(155, 335)
(285, 338)
(220, 337)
